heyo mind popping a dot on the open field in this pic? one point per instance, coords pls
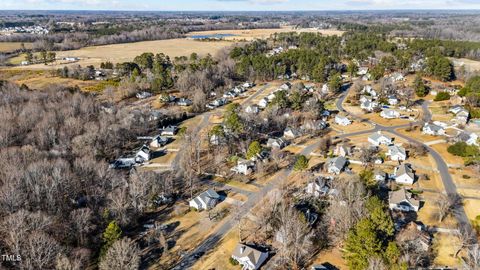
(251, 34)
(37, 79)
(117, 53)
(12, 46)
(470, 65)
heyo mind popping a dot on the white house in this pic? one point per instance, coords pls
(291, 133)
(368, 89)
(432, 129)
(318, 187)
(402, 200)
(276, 143)
(286, 86)
(389, 114)
(343, 150)
(250, 258)
(254, 109)
(469, 138)
(379, 138)
(368, 105)
(342, 120)
(184, 102)
(143, 95)
(169, 131)
(336, 165)
(263, 103)
(397, 153)
(248, 85)
(397, 76)
(244, 167)
(159, 141)
(404, 174)
(362, 71)
(206, 200)
(325, 89)
(392, 100)
(143, 154)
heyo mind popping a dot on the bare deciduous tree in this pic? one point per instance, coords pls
(122, 255)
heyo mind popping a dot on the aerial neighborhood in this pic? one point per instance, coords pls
(225, 140)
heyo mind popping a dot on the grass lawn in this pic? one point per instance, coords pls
(472, 207)
(12, 46)
(333, 257)
(240, 185)
(441, 149)
(444, 245)
(219, 257)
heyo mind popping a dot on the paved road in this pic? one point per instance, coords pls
(255, 197)
(442, 166)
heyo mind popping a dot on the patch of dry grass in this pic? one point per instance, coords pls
(12, 46)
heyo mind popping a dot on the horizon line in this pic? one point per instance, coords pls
(298, 10)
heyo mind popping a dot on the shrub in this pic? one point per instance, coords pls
(233, 261)
(301, 164)
(442, 96)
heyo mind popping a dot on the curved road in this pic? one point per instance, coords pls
(449, 185)
(255, 197)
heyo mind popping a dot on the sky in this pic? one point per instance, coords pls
(236, 5)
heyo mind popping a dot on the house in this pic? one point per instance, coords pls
(389, 114)
(319, 187)
(230, 94)
(159, 141)
(217, 103)
(362, 71)
(254, 109)
(379, 138)
(143, 95)
(248, 85)
(368, 105)
(184, 102)
(291, 133)
(244, 167)
(402, 200)
(432, 129)
(392, 100)
(249, 257)
(469, 138)
(276, 143)
(367, 89)
(415, 235)
(206, 200)
(25, 63)
(263, 103)
(397, 77)
(461, 114)
(380, 176)
(336, 165)
(314, 125)
(169, 131)
(143, 154)
(342, 120)
(325, 89)
(319, 267)
(167, 98)
(404, 174)
(286, 86)
(343, 150)
(397, 153)
(123, 163)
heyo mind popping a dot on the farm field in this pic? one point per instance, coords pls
(251, 34)
(117, 53)
(12, 46)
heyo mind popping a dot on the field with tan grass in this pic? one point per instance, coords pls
(251, 34)
(12, 46)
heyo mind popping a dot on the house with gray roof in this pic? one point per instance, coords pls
(401, 200)
(432, 129)
(336, 165)
(397, 153)
(159, 141)
(206, 200)
(469, 138)
(249, 257)
(169, 131)
(379, 138)
(404, 174)
(276, 143)
(389, 114)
